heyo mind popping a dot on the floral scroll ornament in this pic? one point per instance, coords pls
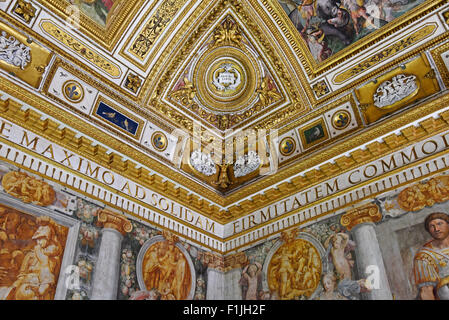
(320, 89)
(133, 83)
(25, 10)
(13, 52)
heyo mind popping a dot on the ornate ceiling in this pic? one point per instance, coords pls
(225, 106)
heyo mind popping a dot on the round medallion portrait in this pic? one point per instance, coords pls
(159, 141)
(287, 146)
(167, 268)
(295, 270)
(73, 91)
(341, 119)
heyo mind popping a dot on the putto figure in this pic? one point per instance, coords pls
(431, 263)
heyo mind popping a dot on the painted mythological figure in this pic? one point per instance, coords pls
(32, 264)
(330, 292)
(165, 269)
(340, 245)
(28, 189)
(329, 26)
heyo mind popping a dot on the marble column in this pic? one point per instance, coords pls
(216, 285)
(224, 285)
(360, 222)
(107, 267)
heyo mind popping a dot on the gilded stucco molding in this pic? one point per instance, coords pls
(178, 119)
(273, 60)
(64, 54)
(389, 51)
(72, 43)
(430, 124)
(442, 68)
(408, 136)
(100, 87)
(397, 121)
(296, 51)
(21, 57)
(65, 137)
(390, 65)
(152, 32)
(279, 221)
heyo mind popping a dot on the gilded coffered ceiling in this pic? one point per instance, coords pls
(227, 105)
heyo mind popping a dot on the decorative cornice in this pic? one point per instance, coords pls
(356, 158)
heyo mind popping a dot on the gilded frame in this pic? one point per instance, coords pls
(101, 99)
(107, 36)
(302, 133)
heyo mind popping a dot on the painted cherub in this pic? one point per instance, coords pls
(339, 247)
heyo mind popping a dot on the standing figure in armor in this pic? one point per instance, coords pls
(431, 263)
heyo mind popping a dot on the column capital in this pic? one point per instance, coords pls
(109, 219)
(235, 260)
(365, 214)
(224, 263)
(213, 260)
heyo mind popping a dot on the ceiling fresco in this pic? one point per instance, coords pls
(329, 26)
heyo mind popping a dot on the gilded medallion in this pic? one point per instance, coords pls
(73, 91)
(159, 141)
(287, 146)
(295, 270)
(341, 119)
(226, 79)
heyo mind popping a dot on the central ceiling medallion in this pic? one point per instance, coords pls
(227, 80)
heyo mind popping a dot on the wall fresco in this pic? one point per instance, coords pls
(321, 261)
(31, 251)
